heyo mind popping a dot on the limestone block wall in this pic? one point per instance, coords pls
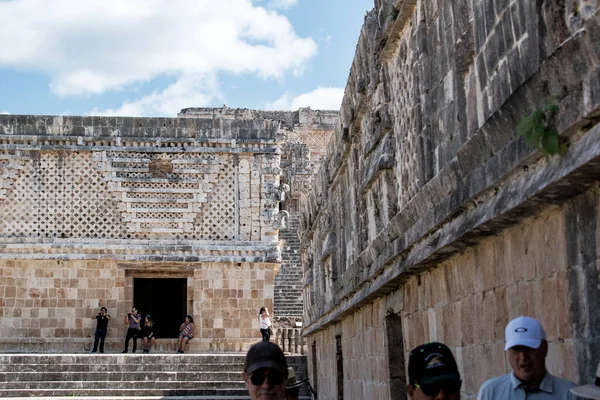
(546, 267)
(365, 358)
(226, 300)
(47, 305)
(426, 166)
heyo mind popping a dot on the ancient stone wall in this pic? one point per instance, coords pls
(47, 305)
(467, 300)
(89, 204)
(426, 166)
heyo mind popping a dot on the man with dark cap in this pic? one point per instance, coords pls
(433, 373)
(265, 372)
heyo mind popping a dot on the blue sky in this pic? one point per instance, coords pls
(155, 57)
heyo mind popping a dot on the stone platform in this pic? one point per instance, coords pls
(127, 376)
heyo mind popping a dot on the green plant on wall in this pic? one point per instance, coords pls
(538, 129)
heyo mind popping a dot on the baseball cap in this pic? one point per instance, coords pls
(265, 355)
(524, 331)
(431, 363)
(591, 391)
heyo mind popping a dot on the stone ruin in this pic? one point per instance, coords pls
(173, 215)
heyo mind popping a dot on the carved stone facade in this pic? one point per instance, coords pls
(177, 215)
(431, 219)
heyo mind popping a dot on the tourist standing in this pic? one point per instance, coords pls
(186, 332)
(265, 371)
(264, 321)
(433, 373)
(132, 320)
(101, 328)
(148, 333)
(526, 348)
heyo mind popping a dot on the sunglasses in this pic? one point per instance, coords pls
(433, 389)
(258, 377)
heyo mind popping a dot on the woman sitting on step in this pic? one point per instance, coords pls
(148, 333)
(186, 332)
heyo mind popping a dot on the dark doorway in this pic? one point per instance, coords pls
(164, 299)
(314, 364)
(393, 325)
(339, 357)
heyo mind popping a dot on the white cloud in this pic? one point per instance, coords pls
(284, 4)
(4, 112)
(93, 46)
(185, 92)
(322, 98)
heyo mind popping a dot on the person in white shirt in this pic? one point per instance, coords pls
(526, 348)
(265, 323)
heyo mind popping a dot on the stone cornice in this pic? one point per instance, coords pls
(137, 250)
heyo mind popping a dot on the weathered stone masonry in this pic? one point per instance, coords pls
(88, 204)
(428, 212)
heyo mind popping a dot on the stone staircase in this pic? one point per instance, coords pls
(289, 281)
(128, 376)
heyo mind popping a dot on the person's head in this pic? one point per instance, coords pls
(149, 321)
(433, 373)
(265, 372)
(133, 310)
(526, 347)
(103, 310)
(262, 310)
(189, 319)
(591, 391)
(292, 387)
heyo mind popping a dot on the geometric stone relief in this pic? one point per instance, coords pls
(10, 166)
(59, 194)
(190, 195)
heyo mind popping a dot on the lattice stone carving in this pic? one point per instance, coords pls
(60, 194)
(169, 193)
(10, 167)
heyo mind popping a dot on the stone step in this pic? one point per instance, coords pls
(119, 393)
(121, 359)
(157, 384)
(140, 367)
(128, 376)
(231, 397)
(7, 378)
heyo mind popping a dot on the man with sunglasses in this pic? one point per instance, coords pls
(265, 372)
(526, 349)
(433, 373)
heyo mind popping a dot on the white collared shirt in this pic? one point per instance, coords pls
(509, 387)
(265, 323)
